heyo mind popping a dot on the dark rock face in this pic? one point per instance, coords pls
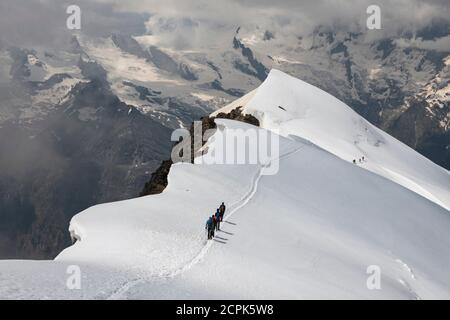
(186, 72)
(339, 48)
(420, 132)
(92, 70)
(155, 55)
(144, 92)
(217, 85)
(260, 69)
(158, 181)
(74, 46)
(437, 148)
(268, 36)
(386, 46)
(164, 62)
(130, 45)
(236, 114)
(19, 69)
(91, 149)
(215, 68)
(244, 68)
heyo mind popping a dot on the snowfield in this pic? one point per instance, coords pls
(312, 114)
(310, 231)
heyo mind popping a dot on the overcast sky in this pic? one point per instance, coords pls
(192, 23)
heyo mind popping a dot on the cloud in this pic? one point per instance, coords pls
(194, 23)
(396, 13)
(30, 23)
(440, 44)
(216, 20)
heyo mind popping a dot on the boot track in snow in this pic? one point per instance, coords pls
(120, 292)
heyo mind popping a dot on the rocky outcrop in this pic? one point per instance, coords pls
(128, 44)
(423, 133)
(260, 69)
(158, 181)
(92, 149)
(165, 62)
(217, 85)
(236, 114)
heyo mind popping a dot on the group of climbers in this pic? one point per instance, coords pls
(360, 160)
(213, 222)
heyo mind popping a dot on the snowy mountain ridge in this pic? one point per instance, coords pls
(400, 88)
(310, 231)
(293, 108)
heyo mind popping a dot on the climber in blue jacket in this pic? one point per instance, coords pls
(209, 227)
(217, 214)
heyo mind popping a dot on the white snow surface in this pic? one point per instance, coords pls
(319, 117)
(309, 231)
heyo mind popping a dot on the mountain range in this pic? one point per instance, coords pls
(90, 122)
(315, 228)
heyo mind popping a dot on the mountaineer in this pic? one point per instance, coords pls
(222, 211)
(217, 215)
(210, 228)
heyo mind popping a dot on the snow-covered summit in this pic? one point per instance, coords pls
(313, 230)
(294, 107)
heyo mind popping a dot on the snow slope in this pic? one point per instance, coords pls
(317, 116)
(309, 231)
